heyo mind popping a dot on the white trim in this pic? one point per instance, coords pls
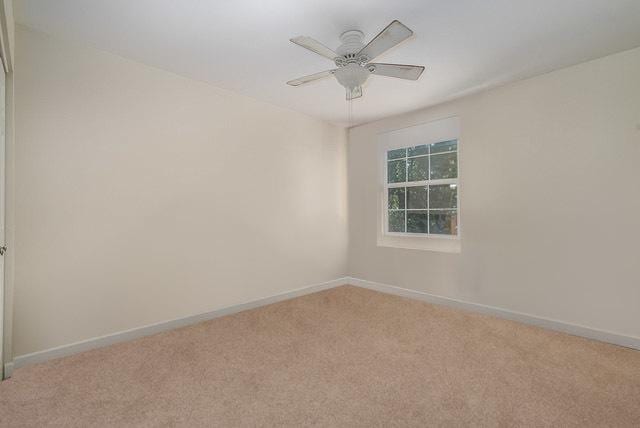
(6, 34)
(134, 333)
(8, 370)
(437, 182)
(425, 133)
(550, 324)
(422, 235)
(99, 342)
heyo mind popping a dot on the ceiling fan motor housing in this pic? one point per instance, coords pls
(352, 43)
(351, 72)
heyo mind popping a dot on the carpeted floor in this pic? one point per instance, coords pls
(343, 357)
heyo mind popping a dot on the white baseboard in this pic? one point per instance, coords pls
(551, 324)
(134, 333)
(122, 336)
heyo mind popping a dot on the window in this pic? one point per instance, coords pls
(421, 190)
(419, 187)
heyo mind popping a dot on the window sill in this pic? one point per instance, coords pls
(437, 244)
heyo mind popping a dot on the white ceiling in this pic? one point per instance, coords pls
(243, 45)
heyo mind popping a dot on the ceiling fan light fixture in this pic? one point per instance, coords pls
(352, 75)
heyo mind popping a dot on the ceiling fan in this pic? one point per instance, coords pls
(353, 58)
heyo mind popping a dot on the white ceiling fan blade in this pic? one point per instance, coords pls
(310, 78)
(401, 71)
(354, 93)
(315, 46)
(395, 33)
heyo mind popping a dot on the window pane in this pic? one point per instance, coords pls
(444, 166)
(443, 196)
(396, 171)
(418, 168)
(443, 222)
(396, 198)
(396, 221)
(417, 197)
(418, 150)
(396, 154)
(445, 146)
(417, 221)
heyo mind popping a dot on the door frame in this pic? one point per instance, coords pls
(7, 34)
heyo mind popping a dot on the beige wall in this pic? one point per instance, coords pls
(550, 197)
(142, 196)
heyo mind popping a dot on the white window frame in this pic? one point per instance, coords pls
(429, 133)
(422, 183)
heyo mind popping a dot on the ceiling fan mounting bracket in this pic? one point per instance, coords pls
(352, 43)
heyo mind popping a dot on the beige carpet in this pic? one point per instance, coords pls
(343, 357)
